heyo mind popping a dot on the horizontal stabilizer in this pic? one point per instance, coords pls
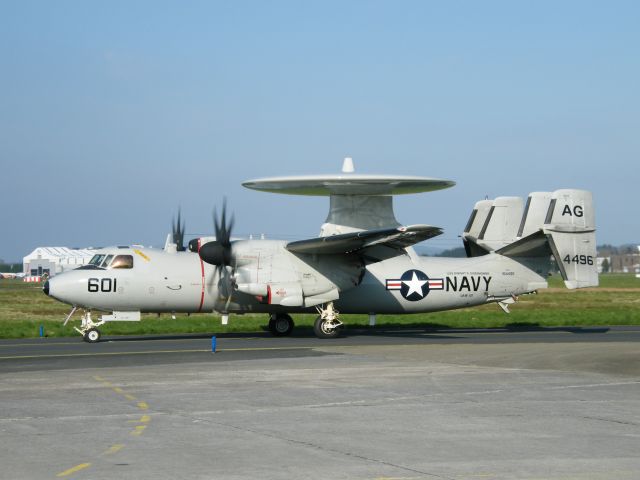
(398, 238)
(472, 249)
(535, 245)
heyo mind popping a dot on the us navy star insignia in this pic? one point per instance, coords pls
(414, 285)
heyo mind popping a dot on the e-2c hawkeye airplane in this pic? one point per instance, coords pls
(362, 261)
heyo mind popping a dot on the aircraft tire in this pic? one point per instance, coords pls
(321, 331)
(281, 325)
(92, 335)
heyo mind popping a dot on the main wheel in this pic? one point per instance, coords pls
(323, 329)
(281, 325)
(92, 335)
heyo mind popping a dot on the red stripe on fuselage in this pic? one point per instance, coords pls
(202, 275)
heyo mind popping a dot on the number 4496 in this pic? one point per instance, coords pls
(579, 259)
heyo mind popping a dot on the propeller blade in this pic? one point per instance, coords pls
(177, 232)
(219, 253)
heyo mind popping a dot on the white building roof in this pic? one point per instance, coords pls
(58, 252)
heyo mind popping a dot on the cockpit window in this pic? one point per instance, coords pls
(106, 261)
(96, 260)
(122, 261)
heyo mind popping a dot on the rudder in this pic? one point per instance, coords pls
(570, 229)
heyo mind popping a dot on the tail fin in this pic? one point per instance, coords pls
(493, 224)
(474, 226)
(570, 228)
(535, 213)
(559, 224)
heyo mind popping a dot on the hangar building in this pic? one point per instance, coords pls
(54, 260)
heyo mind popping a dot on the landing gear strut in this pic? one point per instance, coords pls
(327, 324)
(88, 328)
(280, 324)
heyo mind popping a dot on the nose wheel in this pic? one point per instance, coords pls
(88, 328)
(92, 335)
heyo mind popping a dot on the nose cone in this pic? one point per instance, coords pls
(70, 287)
(214, 253)
(51, 287)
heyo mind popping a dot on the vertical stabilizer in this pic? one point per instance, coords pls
(476, 221)
(570, 228)
(501, 225)
(493, 224)
(535, 213)
(478, 218)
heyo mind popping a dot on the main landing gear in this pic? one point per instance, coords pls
(89, 329)
(327, 324)
(280, 324)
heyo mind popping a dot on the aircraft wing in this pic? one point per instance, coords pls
(398, 237)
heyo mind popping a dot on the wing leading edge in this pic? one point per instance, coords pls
(398, 238)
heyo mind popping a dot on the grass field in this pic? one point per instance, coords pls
(23, 308)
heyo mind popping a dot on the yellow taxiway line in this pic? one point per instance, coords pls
(138, 430)
(150, 352)
(114, 449)
(75, 469)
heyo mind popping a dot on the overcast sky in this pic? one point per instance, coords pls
(114, 114)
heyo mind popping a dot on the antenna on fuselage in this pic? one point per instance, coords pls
(347, 165)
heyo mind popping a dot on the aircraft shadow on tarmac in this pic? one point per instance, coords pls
(395, 330)
(445, 332)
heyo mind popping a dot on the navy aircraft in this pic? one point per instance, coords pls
(363, 261)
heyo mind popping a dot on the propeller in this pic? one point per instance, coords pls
(177, 233)
(219, 252)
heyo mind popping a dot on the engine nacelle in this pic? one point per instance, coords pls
(196, 243)
(255, 289)
(285, 294)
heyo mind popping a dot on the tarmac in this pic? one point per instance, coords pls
(406, 404)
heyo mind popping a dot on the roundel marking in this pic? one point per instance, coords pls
(414, 285)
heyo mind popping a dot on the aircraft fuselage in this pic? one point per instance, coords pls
(182, 283)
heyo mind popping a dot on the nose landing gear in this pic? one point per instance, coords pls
(88, 328)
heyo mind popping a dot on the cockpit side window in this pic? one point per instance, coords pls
(96, 260)
(122, 261)
(106, 261)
